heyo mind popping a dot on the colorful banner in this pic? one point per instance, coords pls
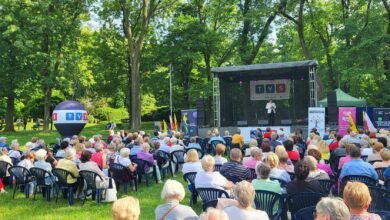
(316, 119)
(382, 118)
(191, 121)
(344, 118)
(270, 89)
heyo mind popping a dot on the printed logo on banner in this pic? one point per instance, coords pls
(54, 116)
(79, 116)
(85, 116)
(69, 116)
(270, 88)
(259, 89)
(280, 88)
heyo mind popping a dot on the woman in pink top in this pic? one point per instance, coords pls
(255, 158)
(99, 157)
(320, 165)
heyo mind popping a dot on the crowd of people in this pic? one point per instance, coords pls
(271, 161)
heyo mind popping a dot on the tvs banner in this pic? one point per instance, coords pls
(316, 120)
(382, 118)
(191, 118)
(343, 118)
(270, 89)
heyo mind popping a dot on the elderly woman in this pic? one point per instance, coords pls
(213, 214)
(324, 150)
(192, 163)
(320, 164)
(68, 164)
(244, 193)
(256, 157)
(357, 197)
(284, 162)
(28, 161)
(332, 208)
(4, 157)
(315, 173)
(273, 161)
(41, 156)
(263, 181)
(208, 178)
(145, 155)
(126, 208)
(219, 151)
(87, 164)
(193, 144)
(172, 193)
(124, 159)
(14, 153)
(377, 147)
(385, 155)
(100, 157)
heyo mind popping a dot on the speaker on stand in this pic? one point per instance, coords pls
(201, 113)
(332, 108)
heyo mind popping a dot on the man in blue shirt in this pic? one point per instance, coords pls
(357, 166)
(3, 142)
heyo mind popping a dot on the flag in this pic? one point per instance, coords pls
(351, 123)
(175, 121)
(368, 126)
(172, 124)
(165, 127)
(185, 124)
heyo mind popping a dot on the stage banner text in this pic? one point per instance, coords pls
(343, 118)
(317, 120)
(382, 118)
(270, 89)
(192, 121)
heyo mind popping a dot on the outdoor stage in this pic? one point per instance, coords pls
(240, 94)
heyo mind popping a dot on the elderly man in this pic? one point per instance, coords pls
(356, 166)
(136, 147)
(234, 170)
(332, 209)
(3, 142)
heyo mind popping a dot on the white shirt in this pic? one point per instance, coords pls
(367, 151)
(192, 167)
(270, 107)
(235, 213)
(220, 160)
(210, 180)
(176, 147)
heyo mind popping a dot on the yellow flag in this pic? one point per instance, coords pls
(165, 127)
(175, 121)
(352, 123)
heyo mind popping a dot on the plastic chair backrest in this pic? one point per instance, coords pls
(62, 176)
(20, 174)
(282, 183)
(90, 178)
(380, 199)
(40, 175)
(177, 156)
(253, 173)
(298, 201)
(266, 201)
(358, 178)
(3, 168)
(326, 186)
(380, 172)
(142, 165)
(190, 177)
(209, 194)
(217, 167)
(305, 213)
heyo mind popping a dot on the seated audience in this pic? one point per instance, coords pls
(124, 159)
(4, 157)
(219, 152)
(274, 142)
(273, 161)
(347, 158)
(324, 150)
(89, 165)
(335, 144)
(137, 146)
(126, 208)
(263, 181)
(369, 149)
(284, 162)
(41, 156)
(145, 155)
(377, 147)
(192, 163)
(14, 153)
(63, 146)
(292, 155)
(234, 170)
(213, 214)
(28, 161)
(301, 183)
(332, 209)
(357, 197)
(385, 155)
(315, 173)
(216, 137)
(244, 193)
(209, 179)
(100, 157)
(256, 157)
(68, 164)
(193, 144)
(357, 166)
(172, 193)
(238, 138)
(320, 164)
(174, 145)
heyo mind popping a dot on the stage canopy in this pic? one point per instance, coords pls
(344, 100)
(241, 92)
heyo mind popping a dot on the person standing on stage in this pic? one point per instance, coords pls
(271, 112)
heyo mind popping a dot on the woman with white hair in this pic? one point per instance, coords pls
(256, 157)
(210, 179)
(213, 214)
(41, 156)
(147, 156)
(332, 209)
(315, 173)
(244, 193)
(14, 153)
(69, 164)
(172, 193)
(124, 160)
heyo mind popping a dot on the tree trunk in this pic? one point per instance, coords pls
(46, 111)
(129, 87)
(386, 56)
(9, 116)
(135, 92)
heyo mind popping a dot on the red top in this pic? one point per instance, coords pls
(293, 155)
(98, 158)
(333, 145)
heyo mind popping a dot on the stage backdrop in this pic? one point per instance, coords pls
(192, 121)
(343, 118)
(270, 89)
(246, 131)
(316, 120)
(382, 118)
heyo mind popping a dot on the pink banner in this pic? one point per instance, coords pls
(343, 119)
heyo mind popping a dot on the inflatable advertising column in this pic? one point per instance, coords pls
(69, 118)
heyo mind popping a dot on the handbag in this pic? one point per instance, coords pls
(111, 192)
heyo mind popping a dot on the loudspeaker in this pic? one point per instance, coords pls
(332, 107)
(201, 113)
(242, 123)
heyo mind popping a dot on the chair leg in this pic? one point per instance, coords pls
(27, 190)
(98, 195)
(70, 193)
(125, 187)
(58, 192)
(15, 186)
(35, 190)
(48, 192)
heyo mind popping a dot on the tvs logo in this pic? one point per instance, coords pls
(55, 117)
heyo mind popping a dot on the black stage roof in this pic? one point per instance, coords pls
(287, 70)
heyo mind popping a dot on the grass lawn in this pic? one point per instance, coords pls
(22, 208)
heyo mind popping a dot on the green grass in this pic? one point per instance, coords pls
(22, 208)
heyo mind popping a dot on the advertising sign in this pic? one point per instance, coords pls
(343, 118)
(270, 89)
(191, 121)
(317, 120)
(382, 118)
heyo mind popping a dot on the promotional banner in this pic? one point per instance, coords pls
(191, 122)
(270, 89)
(344, 122)
(246, 131)
(382, 118)
(316, 119)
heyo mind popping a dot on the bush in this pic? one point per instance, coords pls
(111, 114)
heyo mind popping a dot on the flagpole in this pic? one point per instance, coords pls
(170, 86)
